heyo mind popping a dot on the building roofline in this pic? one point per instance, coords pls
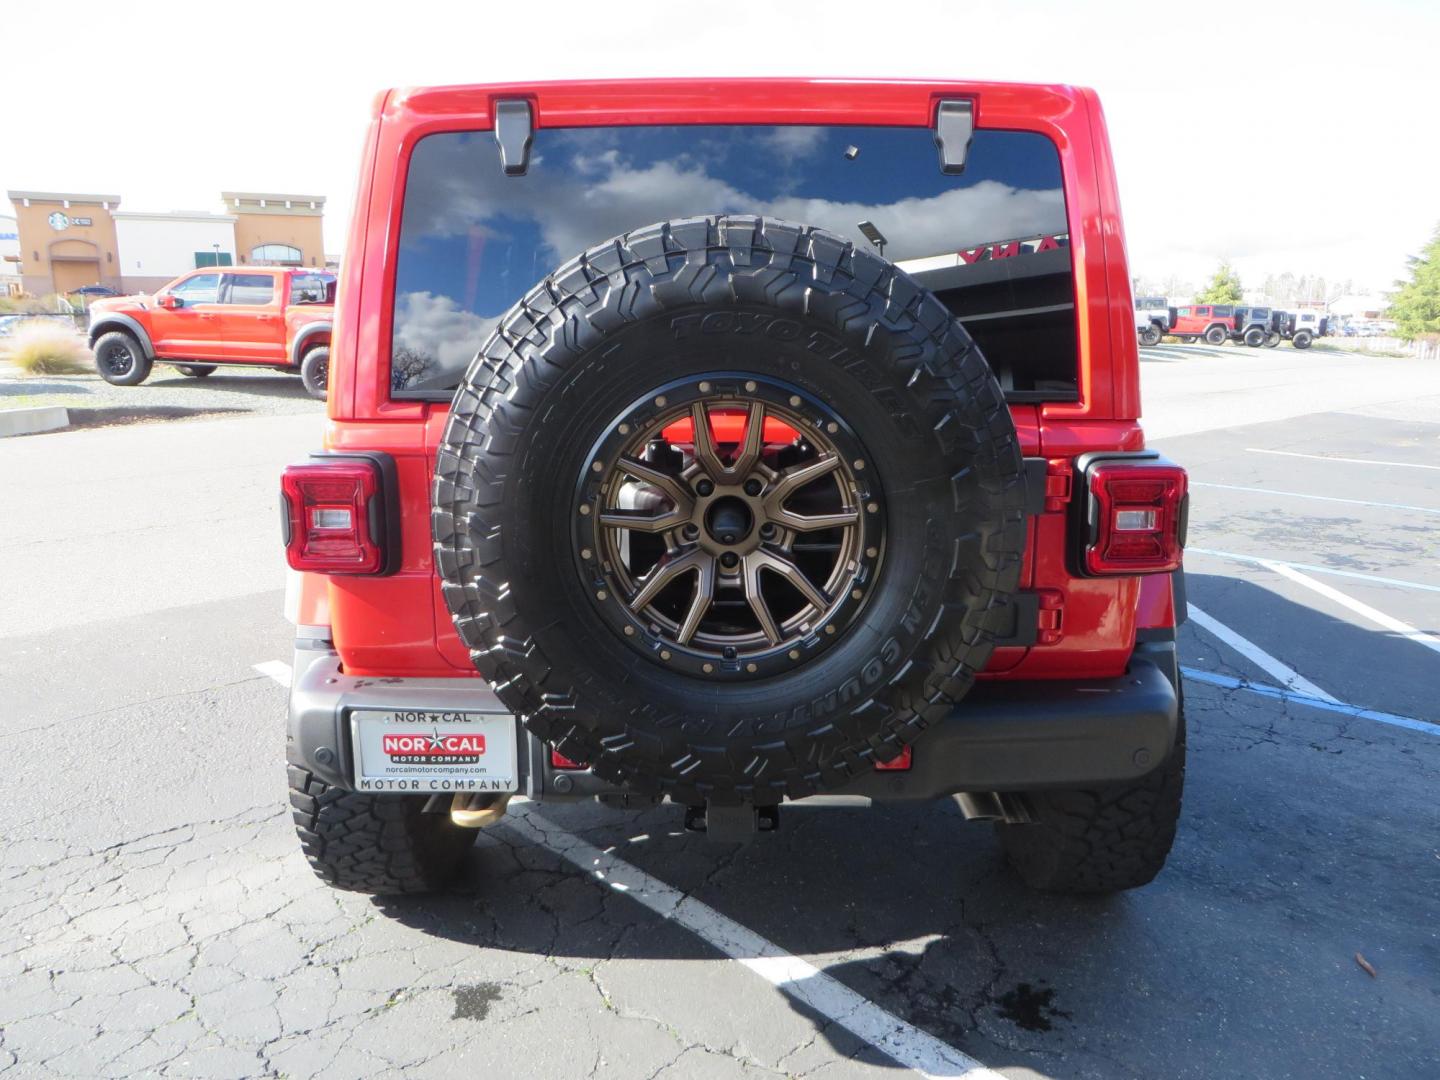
(173, 215)
(270, 196)
(61, 196)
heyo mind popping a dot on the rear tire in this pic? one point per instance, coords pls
(315, 371)
(1215, 335)
(1102, 840)
(1302, 339)
(378, 844)
(1254, 337)
(1272, 339)
(195, 371)
(1150, 335)
(120, 360)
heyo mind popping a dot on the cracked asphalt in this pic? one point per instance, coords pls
(156, 917)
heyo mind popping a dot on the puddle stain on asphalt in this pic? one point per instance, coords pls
(473, 1002)
(1030, 1008)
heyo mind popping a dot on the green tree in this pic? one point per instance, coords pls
(1224, 287)
(1415, 306)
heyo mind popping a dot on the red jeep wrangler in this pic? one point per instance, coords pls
(730, 443)
(257, 315)
(1213, 322)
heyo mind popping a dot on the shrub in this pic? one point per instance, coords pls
(49, 347)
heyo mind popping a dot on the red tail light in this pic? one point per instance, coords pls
(1137, 512)
(560, 761)
(334, 516)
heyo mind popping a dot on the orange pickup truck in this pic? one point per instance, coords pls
(267, 316)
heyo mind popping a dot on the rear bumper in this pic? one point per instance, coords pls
(1006, 736)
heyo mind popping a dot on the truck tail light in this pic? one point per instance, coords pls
(1137, 517)
(560, 761)
(899, 763)
(334, 518)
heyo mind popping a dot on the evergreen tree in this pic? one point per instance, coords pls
(1415, 307)
(1224, 288)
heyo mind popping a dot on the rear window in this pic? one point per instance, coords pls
(992, 243)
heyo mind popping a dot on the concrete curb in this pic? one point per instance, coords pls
(33, 421)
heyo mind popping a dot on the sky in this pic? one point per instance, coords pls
(1292, 137)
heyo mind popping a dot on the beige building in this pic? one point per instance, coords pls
(69, 240)
(66, 240)
(277, 230)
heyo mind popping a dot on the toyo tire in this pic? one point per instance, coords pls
(378, 844)
(1101, 840)
(835, 341)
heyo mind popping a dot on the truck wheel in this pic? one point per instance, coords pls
(1101, 840)
(729, 509)
(120, 359)
(1150, 335)
(195, 371)
(1215, 335)
(377, 844)
(1272, 339)
(1301, 340)
(315, 371)
(1254, 337)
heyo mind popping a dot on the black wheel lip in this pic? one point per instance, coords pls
(669, 655)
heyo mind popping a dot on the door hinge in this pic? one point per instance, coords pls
(1058, 481)
(1049, 617)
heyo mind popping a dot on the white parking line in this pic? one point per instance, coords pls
(797, 978)
(1290, 678)
(1317, 498)
(1389, 622)
(1346, 460)
(275, 669)
(1376, 579)
(1229, 682)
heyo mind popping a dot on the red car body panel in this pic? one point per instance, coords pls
(399, 625)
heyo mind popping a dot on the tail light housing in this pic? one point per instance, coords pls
(1135, 514)
(337, 515)
(560, 761)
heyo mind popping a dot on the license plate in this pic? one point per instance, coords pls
(419, 751)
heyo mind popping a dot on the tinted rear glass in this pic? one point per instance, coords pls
(992, 243)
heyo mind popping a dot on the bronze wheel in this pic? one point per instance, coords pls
(727, 526)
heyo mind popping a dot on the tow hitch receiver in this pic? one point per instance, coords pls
(732, 824)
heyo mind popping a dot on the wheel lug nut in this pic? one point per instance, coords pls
(704, 488)
(767, 531)
(753, 487)
(729, 560)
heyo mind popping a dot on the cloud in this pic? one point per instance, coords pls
(441, 338)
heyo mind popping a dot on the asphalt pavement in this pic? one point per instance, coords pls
(159, 920)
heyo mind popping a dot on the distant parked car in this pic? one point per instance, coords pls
(95, 290)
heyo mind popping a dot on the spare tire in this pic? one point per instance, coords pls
(729, 510)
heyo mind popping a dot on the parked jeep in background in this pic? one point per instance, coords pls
(1213, 322)
(1153, 318)
(1301, 328)
(1257, 326)
(645, 491)
(276, 317)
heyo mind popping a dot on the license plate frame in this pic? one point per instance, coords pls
(427, 751)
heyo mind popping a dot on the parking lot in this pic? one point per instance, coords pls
(158, 917)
